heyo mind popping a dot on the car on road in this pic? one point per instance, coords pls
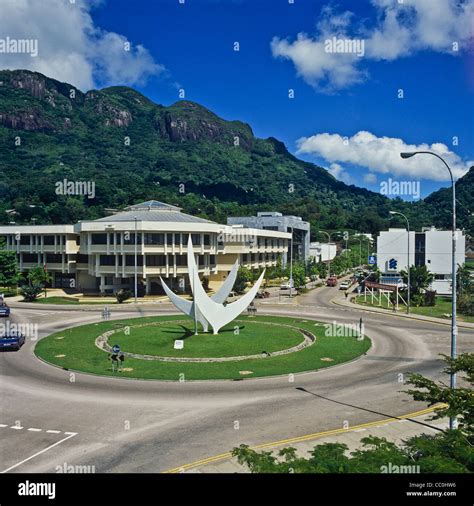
(12, 341)
(344, 285)
(4, 309)
(331, 281)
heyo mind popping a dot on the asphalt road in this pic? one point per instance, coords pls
(49, 420)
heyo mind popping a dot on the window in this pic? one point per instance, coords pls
(169, 239)
(30, 258)
(130, 260)
(111, 238)
(53, 259)
(129, 238)
(82, 259)
(207, 239)
(25, 240)
(48, 240)
(196, 238)
(155, 239)
(181, 260)
(212, 259)
(99, 238)
(107, 260)
(155, 260)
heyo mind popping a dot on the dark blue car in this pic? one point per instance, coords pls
(12, 341)
(4, 310)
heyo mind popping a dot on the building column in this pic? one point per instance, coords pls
(102, 284)
(148, 286)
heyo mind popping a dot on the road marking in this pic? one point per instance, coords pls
(72, 434)
(3, 425)
(32, 429)
(17, 427)
(299, 439)
(53, 431)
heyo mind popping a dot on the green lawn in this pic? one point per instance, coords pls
(443, 306)
(74, 349)
(252, 338)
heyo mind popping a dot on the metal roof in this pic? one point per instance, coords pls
(153, 210)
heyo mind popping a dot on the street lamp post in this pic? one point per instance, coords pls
(408, 263)
(136, 257)
(291, 262)
(454, 329)
(329, 251)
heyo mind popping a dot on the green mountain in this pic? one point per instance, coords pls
(135, 150)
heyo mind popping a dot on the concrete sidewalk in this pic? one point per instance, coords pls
(341, 301)
(395, 430)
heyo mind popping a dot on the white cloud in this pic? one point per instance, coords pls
(382, 155)
(400, 30)
(339, 173)
(70, 47)
(370, 178)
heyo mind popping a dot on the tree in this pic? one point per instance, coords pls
(299, 275)
(449, 451)
(9, 272)
(420, 279)
(244, 275)
(39, 276)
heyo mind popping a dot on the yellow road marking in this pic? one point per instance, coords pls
(299, 439)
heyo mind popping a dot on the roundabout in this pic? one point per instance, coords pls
(249, 347)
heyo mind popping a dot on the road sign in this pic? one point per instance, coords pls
(178, 344)
(116, 348)
(372, 260)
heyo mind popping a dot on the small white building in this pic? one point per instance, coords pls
(429, 247)
(322, 251)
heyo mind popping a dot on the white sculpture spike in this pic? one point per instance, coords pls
(187, 306)
(219, 315)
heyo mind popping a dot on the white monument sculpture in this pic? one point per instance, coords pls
(211, 310)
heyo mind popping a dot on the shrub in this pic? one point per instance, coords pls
(466, 305)
(122, 295)
(429, 298)
(30, 293)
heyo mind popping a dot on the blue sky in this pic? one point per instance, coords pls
(191, 46)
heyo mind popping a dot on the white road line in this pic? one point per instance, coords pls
(53, 431)
(39, 453)
(3, 425)
(32, 429)
(17, 427)
(359, 430)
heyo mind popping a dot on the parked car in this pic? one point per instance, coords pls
(4, 309)
(344, 285)
(331, 281)
(12, 341)
(287, 284)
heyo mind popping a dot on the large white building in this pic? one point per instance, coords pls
(322, 251)
(429, 247)
(99, 255)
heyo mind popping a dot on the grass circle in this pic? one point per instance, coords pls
(242, 337)
(82, 355)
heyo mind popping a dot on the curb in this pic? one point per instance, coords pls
(428, 319)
